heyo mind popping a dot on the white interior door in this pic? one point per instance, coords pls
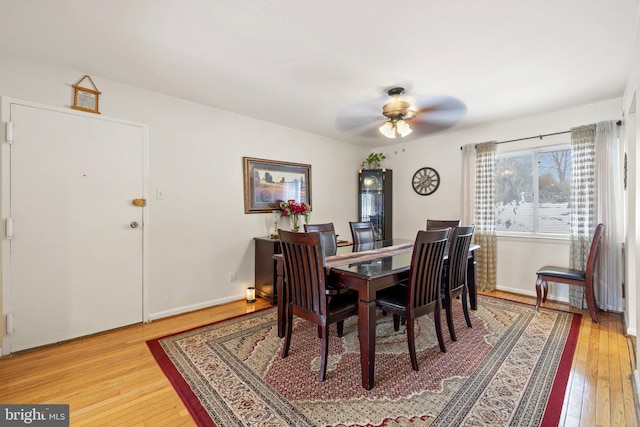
(76, 260)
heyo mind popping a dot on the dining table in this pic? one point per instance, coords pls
(367, 269)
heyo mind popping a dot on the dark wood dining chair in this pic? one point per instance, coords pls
(328, 235)
(441, 224)
(571, 276)
(330, 244)
(422, 294)
(305, 287)
(362, 232)
(454, 281)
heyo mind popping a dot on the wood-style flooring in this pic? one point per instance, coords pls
(111, 379)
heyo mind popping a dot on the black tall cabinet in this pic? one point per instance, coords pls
(375, 200)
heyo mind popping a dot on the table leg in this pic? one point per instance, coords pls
(281, 296)
(367, 336)
(471, 281)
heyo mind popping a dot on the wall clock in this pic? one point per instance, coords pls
(425, 181)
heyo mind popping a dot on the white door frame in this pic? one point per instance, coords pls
(5, 205)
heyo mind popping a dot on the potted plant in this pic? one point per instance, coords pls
(373, 159)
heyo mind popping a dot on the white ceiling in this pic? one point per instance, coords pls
(300, 63)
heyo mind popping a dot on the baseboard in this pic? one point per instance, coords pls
(531, 293)
(194, 307)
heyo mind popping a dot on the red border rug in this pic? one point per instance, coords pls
(511, 368)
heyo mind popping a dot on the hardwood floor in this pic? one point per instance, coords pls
(111, 379)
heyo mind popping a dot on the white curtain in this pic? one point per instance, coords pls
(608, 281)
(485, 216)
(582, 201)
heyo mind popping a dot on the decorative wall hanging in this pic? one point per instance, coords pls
(85, 98)
(269, 182)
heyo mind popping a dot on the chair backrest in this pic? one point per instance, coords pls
(327, 235)
(460, 241)
(593, 251)
(441, 224)
(362, 232)
(305, 275)
(425, 272)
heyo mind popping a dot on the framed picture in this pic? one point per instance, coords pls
(268, 182)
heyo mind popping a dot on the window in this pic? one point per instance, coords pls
(532, 191)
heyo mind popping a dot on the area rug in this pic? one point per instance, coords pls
(510, 368)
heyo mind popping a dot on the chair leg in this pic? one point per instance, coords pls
(411, 341)
(539, 283)
(465, 307)
(325, 353)
(591, 302)
(340, 325)
(448, 310)
(438, 323)
(396, 322)
(288, 327)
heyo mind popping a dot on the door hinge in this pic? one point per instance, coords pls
(8, 132)
(8, 228)
(9, 323)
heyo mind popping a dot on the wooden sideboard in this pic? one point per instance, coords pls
(265, 268)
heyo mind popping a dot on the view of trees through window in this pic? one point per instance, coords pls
(532, 191)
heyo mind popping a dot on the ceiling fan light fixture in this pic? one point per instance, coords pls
(388, 129)
(403, 128)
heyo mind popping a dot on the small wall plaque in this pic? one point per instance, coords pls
(85, 98)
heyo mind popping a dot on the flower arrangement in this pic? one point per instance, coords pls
(292, 209)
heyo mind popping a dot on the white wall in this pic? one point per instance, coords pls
(631, 102)
(518, 258)
(199, 233)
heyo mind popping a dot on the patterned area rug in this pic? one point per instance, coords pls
(511, 368)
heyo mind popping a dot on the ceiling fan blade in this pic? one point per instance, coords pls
(439, 103)
(362, 119)
(446, 111)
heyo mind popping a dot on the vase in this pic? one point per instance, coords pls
(295, 223)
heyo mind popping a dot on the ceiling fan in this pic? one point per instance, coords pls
(402, 115)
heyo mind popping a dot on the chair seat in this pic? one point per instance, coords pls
(342, 304)
(394, 297)
(562, 273)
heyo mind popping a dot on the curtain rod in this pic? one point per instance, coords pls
(533, 137)
(619, 122)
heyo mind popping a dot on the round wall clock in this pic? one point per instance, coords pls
(425, 181)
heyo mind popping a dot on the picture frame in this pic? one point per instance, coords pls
(268, 182)
(85, 98)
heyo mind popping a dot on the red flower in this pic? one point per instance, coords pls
(290, 207)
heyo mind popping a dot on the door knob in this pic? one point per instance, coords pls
(134, 224)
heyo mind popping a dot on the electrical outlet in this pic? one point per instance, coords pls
(232, 277)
